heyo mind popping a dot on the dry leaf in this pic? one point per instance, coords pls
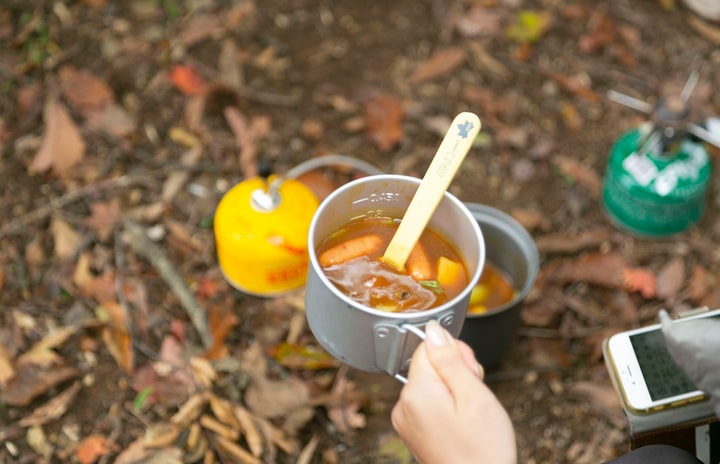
(116, 334)
(41, 354)
(305, 357)
(247, 137)
(111, 119)
(91, 448)
(37, 440)
(249, 430)
(105, 216)
(440, 64)
(700, 283)
(176, 179)
(383, 120)
(66, 240)
(32, 381)
(62, 144)
(83, 90)
(7, 370)
(603, 269)
(53, 409)
(671, 279)
(346, 415)
(562, 242)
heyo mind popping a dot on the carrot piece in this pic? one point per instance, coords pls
(451, 274)
(418, 264)
(350, 249)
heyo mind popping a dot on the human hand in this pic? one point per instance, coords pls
(445, 413)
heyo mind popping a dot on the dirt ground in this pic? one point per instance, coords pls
(374, 80)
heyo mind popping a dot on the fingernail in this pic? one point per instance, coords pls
(436, 335)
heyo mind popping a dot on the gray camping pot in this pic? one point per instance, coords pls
(512, 250)
(369, 339)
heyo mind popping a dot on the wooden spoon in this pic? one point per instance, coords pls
(450, 154)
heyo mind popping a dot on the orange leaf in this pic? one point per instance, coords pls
(92, 448)
(639, 280)
(116, 334)
(187, 80)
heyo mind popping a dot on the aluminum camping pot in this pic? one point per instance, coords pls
(363, 337)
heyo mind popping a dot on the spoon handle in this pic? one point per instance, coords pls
(450, 154)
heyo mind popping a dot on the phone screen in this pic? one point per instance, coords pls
(662, 376)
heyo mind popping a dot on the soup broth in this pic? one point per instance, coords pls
(493, 289)
(351, 259)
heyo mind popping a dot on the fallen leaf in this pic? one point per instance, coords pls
(92, 448)
(111, 119)
(37, 440)
(383, 120)
(563, 242)
(83, 90)
(187, 80)
(640, 280)
(104, 217)
(62, 144)
(700, 283)
(303, 357)
(222, 321)
(671, 279)
(7, 370)
(267, 397)
(247, 136)
(116, 334)
(32, 381)
(346, 416)
(529, 26)
(440, 64)
(41, 354)
(605, 269)
(53, 409)
(66, 240)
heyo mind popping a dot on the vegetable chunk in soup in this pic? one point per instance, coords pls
(434, 272)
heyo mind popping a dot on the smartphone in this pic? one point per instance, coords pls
(644, 372)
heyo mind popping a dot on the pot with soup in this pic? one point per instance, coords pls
(363, 311)
(510, 270)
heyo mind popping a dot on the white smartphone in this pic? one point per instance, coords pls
(644, 372)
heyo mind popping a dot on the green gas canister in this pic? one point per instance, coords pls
(658, 174)
(652, 193)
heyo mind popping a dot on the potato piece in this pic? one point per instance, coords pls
(451, 274)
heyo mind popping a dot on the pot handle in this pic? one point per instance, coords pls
(421, 335)
(392, 353)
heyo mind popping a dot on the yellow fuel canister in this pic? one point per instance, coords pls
(261, 234)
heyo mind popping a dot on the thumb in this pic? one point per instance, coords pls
(449, 362)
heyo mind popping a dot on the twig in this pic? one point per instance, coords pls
(167, 270)
(18, 224)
